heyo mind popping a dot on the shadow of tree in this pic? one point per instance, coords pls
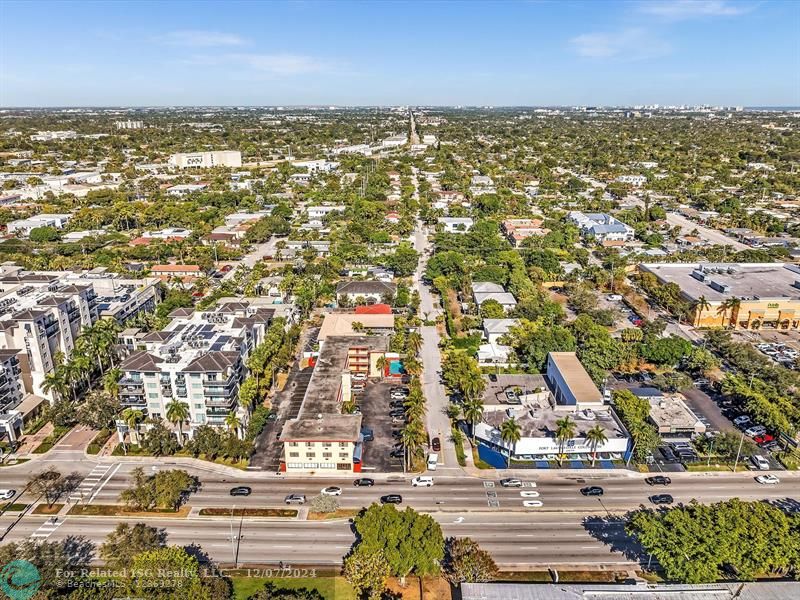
(788, 505)
(610, 530)
(79, 550)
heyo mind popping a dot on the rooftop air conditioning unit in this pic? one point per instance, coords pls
(699, 275)
(720, 287)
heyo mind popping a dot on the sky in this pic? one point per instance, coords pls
(719, 52)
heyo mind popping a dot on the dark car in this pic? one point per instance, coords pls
(592, 490)
(658, 480)
(397, 413)
(391, 499)
(436, 445)
(396, 453)
(668, 454)
(368, 434)
(661, 499)
(492, 377)
(241, 491)
(364, 482)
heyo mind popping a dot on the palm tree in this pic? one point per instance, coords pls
(700, 305)
(472, 385)
(111, 381)
(596, 436)
(414, 342)
(473, 412)
(233, 422)
(565, 431)
(412, 437)
(55, 382)
(132, 418)
(730, 306)
(511, 433)
(382, 363)
(177, 413)
(412, 366)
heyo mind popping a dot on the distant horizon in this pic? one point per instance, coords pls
(346, 53)
(327, 106)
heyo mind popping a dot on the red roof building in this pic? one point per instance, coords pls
(374, 309)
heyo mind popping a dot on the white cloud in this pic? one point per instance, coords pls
(269, 64)
(195, 38)
(278, 64)
(678, 10)
(628, 44)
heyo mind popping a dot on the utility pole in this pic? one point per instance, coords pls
(738, 452)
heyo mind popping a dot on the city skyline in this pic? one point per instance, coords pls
(514, 54)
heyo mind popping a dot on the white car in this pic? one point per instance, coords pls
(532, 503)
(422, 481)
(331, 491)
(768, 479)
(359, 376)
(7, 494)
(755, 430)
(530, 494)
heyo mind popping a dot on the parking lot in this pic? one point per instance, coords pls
(374, 403)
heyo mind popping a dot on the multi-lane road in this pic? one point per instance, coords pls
(557, 534)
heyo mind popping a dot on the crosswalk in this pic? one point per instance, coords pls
(46, 529)
(84, 491)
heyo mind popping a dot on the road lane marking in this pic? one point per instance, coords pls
(102, 485)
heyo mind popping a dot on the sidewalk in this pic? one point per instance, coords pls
(31, 442)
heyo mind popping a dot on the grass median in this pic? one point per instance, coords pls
(118, 510)
(286, 513)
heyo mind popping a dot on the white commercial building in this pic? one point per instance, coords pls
(207, 160)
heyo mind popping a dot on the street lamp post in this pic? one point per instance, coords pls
(738, 452)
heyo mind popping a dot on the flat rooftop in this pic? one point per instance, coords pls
(495, 392)
(576, 377)
(538, 419)
(747, 281)
(338, 324)
(672, 412)
(330, 428)
(322, 395)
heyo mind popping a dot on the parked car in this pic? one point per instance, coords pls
(658, 480)
(422, 481)
(433, 460)
(511, 482)
(364, 482)
(359, 376)
(763, 439)
(741, 420)
(661, 499)
(436, 445)
(668, 454)
(332, 490)
(9, 494)
(396, 453)
(397, 413)
(295, 499)
(242, 490)
(492, 377)
(755, 430)
(768, 479)
(368, 434)
(391, 499)
(592, 490)
(760, 463)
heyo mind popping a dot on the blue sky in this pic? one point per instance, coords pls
(498, 53)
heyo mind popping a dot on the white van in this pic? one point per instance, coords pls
(761, 463)
(433, 459)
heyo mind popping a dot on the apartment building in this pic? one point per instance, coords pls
(43, 313)
(606, 229)
(321, 438)
(23, 227)
(199, 359)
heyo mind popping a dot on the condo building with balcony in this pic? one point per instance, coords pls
(199, 359)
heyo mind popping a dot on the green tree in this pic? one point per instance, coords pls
(492, 309)
(126, 541)
(565, 431)
(132, 418)
(165, 490)
(178, 414)
(98, 410)
(169, 570)
(466, 561)
(48, 483)
(44, 234)
(367, 571)
(404, 260)
(596, 436)
(666, 351)
(510, 433)
(412, 543)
